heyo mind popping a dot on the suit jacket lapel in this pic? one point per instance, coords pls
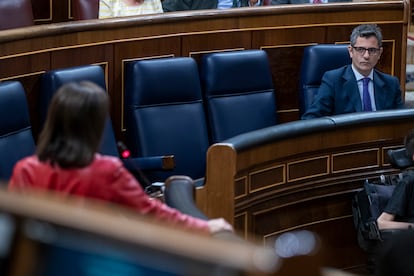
(379, 94)
(351, 88)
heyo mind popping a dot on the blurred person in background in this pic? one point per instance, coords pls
(116, 8)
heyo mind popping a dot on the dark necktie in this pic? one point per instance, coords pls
(366, 99)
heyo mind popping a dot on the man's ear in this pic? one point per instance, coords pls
(382, 49)
(350, 51)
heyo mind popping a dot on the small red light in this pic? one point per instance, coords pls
(126, 154)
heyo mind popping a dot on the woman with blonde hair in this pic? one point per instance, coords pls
(116, 8)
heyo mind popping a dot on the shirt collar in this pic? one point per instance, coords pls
(359, 76)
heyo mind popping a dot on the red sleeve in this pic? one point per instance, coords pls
(129, 192)
(21, 177)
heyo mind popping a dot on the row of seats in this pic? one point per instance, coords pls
(190, 107)
(166, 110)
(16, 137)
(176, 107)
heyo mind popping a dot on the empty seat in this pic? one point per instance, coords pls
(399, 159)
(238, 91)
(53, 79)
(317, 59)
(16, 138)
(16, 14)
(164, 114)
(85, 9)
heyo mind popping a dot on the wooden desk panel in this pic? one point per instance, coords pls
(267, 184)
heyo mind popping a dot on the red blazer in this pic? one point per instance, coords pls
(105, 179)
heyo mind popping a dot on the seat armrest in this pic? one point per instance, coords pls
(164, 162)
(399, 159)
(179, 194)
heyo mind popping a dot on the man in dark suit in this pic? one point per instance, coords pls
(343, 91)
(184, 5)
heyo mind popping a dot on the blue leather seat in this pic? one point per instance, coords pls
(16, 138)
(53, 79)
(164, 114)
(317, 59)
(238, 92)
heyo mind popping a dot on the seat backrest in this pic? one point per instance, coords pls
(53, 79)
(164, 114)
(16, 138)
(317, 59)
(399, 159)
(85, 9)
(16, 14)
(238, 92)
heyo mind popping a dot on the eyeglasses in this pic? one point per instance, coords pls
(371, 51)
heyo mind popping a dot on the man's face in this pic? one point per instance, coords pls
(364, 60)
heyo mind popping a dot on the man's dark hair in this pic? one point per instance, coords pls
(366, 30)
(74, 125)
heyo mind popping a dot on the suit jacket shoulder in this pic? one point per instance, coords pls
(184, 5)
(344, 72)
(385, 77)
(388, 93)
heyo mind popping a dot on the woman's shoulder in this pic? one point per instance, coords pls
(28, 161)
(105, 165)
(107, 161)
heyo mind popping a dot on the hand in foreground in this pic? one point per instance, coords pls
(217, 225)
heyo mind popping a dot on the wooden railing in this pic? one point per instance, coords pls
(40, 231)
(302, 175)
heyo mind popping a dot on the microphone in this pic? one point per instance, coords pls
(154, 190)
(125, 153)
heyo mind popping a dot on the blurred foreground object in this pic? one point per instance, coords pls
(44, 234)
